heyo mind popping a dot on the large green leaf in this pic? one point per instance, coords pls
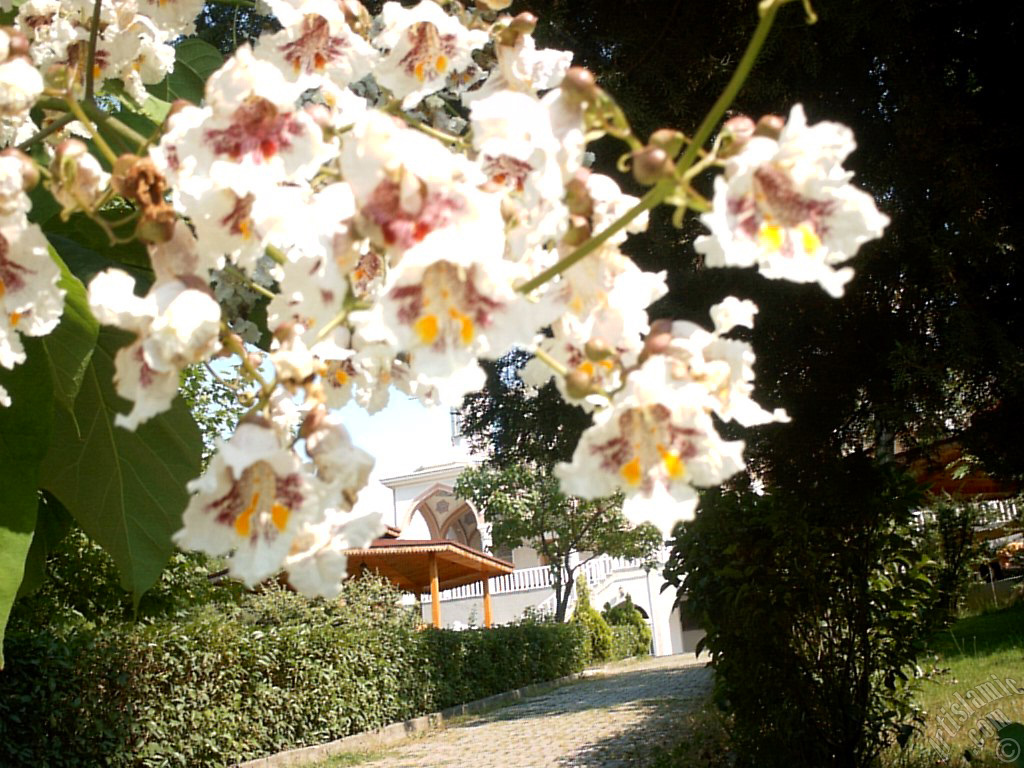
(24, 436)
(52, 524)
(69, 347)
(126, 489)
(194, 61)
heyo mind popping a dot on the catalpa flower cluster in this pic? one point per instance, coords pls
(406, 196)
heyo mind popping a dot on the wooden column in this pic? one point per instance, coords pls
(487, 602)
(435, 593)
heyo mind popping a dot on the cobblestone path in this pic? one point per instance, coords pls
(607, 721)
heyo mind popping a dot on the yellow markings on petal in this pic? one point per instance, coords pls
(631, 471)
(576, 305)
(341, 377)
(419, 71)
(586, 367)
(771, 236)
(426, 328)
(14, 317)
(243, 521)
(279, 513)
(442, 63)
(809, 239)
(96, 71)
(466, 327)
(671, 461)
(3, 289)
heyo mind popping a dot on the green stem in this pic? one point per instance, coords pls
(116, 125)
(550, 362)
(732, 88)
(79, 113)
(52, 128)
(90, 60)
(653, 197)
(657, 194)
(233, 270)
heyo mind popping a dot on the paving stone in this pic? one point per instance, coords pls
(608, 721)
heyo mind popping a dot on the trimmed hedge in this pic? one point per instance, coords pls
(629, 641)
(234, 682)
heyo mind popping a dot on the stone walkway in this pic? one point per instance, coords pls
(608, 721)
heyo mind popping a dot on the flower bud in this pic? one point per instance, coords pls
(356, 16)
(651, 165)
(577, 196)
(579, 231)
(313, 422)
(523, 24)
(17, 43)
(29, 171)
(770, 126)
(579, 85)
(77, 179)
(597, 350)
(736, 132)
(667, 139)
(658, 340)
(494, 5)
(578, 384)
(156, 225)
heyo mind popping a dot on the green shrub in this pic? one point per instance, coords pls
(816, 603)
(230, 682)
(630, 634)
(598, 635)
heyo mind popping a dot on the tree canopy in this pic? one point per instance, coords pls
(927, 341)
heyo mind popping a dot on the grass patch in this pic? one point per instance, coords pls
(974, 678)
(355, 758)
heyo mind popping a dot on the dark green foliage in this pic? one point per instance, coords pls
(949, 528)
(598, 635)
(481, 662)
(816, 605)
(630, 634)
(231, 682)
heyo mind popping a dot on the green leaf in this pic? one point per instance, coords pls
(194, 61)
(126, 489)
(24, 435)
(69, 347)
(52, 524)
(85, 260)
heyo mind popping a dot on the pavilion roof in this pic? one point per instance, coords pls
(406, 563)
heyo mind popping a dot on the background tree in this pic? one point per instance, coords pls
(524, 506)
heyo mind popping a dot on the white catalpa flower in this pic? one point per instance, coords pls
(522, 68)
(425, 45)
(173, 17)
(316, 44)
(20, 82)
(788, 207)
(176, 324)
(31, 303)
(724, 367)
(317, 562)
(249, 137)
(655, 444)
(251, 502)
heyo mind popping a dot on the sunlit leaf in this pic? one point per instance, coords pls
(125, 489)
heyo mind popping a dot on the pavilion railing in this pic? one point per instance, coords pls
(540, 577)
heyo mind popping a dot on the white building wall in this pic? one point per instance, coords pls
(614, 578)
